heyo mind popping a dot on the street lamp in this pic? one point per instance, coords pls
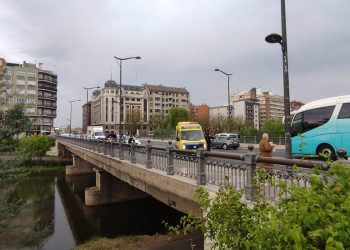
(282, 40)
(120, 88)
(70, 120)
(87, 92)
(228, 95)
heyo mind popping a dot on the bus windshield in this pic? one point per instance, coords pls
(192, 135)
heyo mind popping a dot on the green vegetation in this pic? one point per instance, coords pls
(12, 122)
(316, 217)
(34, 147)
(167, 127)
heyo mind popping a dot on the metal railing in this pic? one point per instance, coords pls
(245, 172)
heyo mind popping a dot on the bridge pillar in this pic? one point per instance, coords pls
(80, 166)
(62, 151)
(109, 189)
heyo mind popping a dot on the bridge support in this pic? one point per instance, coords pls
(79, 167)
(109, 189)
(62, 151)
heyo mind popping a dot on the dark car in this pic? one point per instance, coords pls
(225, 141)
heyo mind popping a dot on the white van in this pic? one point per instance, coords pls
(95, 133)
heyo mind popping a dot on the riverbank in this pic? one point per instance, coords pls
(172, 241)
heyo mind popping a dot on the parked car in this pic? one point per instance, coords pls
(225, 141)
(128, 139)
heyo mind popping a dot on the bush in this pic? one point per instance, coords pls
(317, 217)
(34, 147)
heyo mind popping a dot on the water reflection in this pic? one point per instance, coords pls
(54, 215)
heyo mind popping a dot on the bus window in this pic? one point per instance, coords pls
(314, 118)
(296, 125)
(344, 111)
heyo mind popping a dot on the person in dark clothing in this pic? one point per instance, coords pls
(131, 140)
(208, 140)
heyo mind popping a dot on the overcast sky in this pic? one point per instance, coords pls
(181, 42)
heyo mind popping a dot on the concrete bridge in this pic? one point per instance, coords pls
(125, 172)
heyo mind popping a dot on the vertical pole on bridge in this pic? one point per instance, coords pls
(149, 154)
(121, 151)
(201, 178)
(250, 160)
(132, 153)
(170, 163)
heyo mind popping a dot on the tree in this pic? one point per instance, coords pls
(273, 127)
(133, 121)
(16, 121)
(176, 115)
(155, 122)
(34, 147)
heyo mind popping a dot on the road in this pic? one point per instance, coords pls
(243, 149)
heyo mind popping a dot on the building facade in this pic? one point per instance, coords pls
(163, 98)
(218, 112)
(115, 112)
(199, 112)
(295, 105)
(86, 116)
(36, 89)
(248, 111)
(271, 107)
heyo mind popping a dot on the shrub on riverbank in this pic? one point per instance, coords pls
(34, 147)
(316, 217)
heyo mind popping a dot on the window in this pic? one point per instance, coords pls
(316, 117)
(32, 83)
(20, 73)
(344, 111)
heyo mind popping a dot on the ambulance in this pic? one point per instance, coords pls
(189, 135)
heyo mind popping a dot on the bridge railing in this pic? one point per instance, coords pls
(245, 172)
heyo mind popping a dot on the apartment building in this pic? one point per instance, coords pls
(218, 112)
(163, 98)
(36, 89)
(248, 110)
(271, 106)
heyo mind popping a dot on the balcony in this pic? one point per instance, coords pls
(47, 87)
(43, 105)
(54, 98)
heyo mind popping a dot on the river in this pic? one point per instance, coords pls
(55, 217)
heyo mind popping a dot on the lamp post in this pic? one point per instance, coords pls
(120, 60)
(87, 92)
(229, 108)
(70, 116)
(282, 40)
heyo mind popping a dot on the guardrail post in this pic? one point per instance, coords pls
(149, 154)
(132, 153)
(250, 161)
(121, 151)
(201, 178)
(112, 149)
(170, 163)
(104, 147)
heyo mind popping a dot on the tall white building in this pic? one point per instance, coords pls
(113, 113)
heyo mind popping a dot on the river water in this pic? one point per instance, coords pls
(53, 216)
